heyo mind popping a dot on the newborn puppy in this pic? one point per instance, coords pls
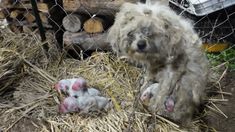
(70, 86)
(63, 86)
(75, 87)
(80, 88)
(84, 104)
(168, 46)
(148, 93)
(178, 105)
(69, 104)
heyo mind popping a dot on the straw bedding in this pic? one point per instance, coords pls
(28, 102)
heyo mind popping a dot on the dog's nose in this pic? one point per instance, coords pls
(141, 44)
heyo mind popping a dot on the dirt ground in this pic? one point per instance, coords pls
(219, 122)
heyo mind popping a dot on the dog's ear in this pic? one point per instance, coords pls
(113, 37)
(147, 12)
(128, 17)
(175, 35)
(173, 30)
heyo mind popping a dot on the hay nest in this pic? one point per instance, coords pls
(28, 102)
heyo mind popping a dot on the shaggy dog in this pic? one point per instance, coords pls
(170, 49)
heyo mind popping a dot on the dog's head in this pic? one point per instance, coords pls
(143, 39)
(147, 32)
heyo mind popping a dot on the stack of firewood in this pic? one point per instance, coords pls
(85, 25)
(20, 16)
(87, 22)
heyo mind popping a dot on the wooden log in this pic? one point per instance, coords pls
(44, 17)
(14, 14)
(73, 22)
(27, 29)
(30, 18)
(100, 7)
(6, 12)
(17, 14)
(43, 7)
(86, 41)
(15, 29)
(2, 14)
(94, 25)
(6, 3)
(26, 23)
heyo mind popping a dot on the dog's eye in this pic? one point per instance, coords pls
(146, 31)
(130, 35)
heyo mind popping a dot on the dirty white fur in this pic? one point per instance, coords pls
(172, 55)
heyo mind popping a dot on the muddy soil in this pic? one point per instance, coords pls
(219, 122)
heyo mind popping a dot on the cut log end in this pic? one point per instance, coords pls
(16, 13)
(2, 15)
(94, 25)
(72, 23)
(29, 17)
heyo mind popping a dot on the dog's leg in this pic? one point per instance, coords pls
(148, 80)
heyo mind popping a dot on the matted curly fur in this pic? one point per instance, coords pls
(170, 49)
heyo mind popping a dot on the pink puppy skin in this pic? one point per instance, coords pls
(79, 84)
(71, 87)
(62, 85)
(69, 104)
(146, 96)
(169, 104)
(75, 87)
(56, 86)
(63, 108)
(148, 93)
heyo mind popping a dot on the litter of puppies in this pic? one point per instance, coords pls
(79, 97)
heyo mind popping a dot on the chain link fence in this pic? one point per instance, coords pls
(79, 27)
(90, 19)
(214, 21)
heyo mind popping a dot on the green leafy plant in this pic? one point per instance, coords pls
(227, 56)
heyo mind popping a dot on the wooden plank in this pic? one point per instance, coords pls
(101, 7)
(86, 41)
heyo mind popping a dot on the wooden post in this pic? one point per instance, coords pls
(40, 26)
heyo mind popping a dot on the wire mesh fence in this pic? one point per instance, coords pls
(90, 19)
(79, 27)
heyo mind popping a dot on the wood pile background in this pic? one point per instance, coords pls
(20, 16)
(88, 21)
(84, 25)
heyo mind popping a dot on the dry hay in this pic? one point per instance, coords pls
(30, 74)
